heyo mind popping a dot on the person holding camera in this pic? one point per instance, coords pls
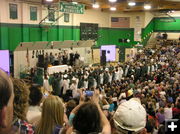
(88, 117)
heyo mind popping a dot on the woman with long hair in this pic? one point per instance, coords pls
(52, 118)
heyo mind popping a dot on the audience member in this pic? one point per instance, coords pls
(52, 118)
(6, 104)
(35, 99)
(168, 111)
(130, 117)
(88, 118)
(21, 104)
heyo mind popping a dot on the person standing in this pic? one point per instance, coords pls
(60, 59)
(76, 58)
(65, 58)
(71, 59)
(56, 60)
(120, 72)
(52, 117)
(46, 61)
(65, 84)
(168, 112)
(51, 58)
(21, 98)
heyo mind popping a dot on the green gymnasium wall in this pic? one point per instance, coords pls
(163, 26)
(146, 32)
(12, 34)
(158, 25)
(111, 36)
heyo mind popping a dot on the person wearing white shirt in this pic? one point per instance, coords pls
(116, 75)
(46, 84)
(152, 68)
(162, 93)
(120, 73)
(101, 78)
(94, 83)
(126, 70)
(65, 84)
(168, 112)
(110, 77)
(74, 88)
(148, 70)
(86, 84)
(34, 111)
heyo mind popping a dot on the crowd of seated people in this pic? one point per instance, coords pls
(134, 97)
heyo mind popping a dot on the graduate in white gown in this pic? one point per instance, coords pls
(65, 84)
(74, 88)
(101, 78)
(46, 84)
(120, 73)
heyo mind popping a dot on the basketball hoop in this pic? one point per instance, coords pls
(46, 26)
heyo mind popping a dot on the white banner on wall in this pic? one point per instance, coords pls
(137, 29)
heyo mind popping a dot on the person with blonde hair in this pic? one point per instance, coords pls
(52, 118)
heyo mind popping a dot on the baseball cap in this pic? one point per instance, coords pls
(130, 116)
(65, 76)
(130, 92)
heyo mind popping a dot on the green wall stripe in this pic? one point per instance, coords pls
(12, 34)
(4, 38)
(35, 34)
(176, 17)
(169, 31)
(55, 26)
(166, 26)
(14, 38)
(44, 35)
(25, 34)
(33, 25)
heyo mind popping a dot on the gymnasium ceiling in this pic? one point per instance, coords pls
(122, 5)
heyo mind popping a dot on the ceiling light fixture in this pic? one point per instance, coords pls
(132, 3)
(147, 7)
(112, 0)
(171, 11)
(113, 9)
(95, 5)
(49, 0)
(74, 2)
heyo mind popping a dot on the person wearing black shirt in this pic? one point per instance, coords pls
(51, 57)
(76, 57)
(71, 60)
(165, 36)
(65, 58)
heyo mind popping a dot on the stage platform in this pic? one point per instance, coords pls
(57, 69)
